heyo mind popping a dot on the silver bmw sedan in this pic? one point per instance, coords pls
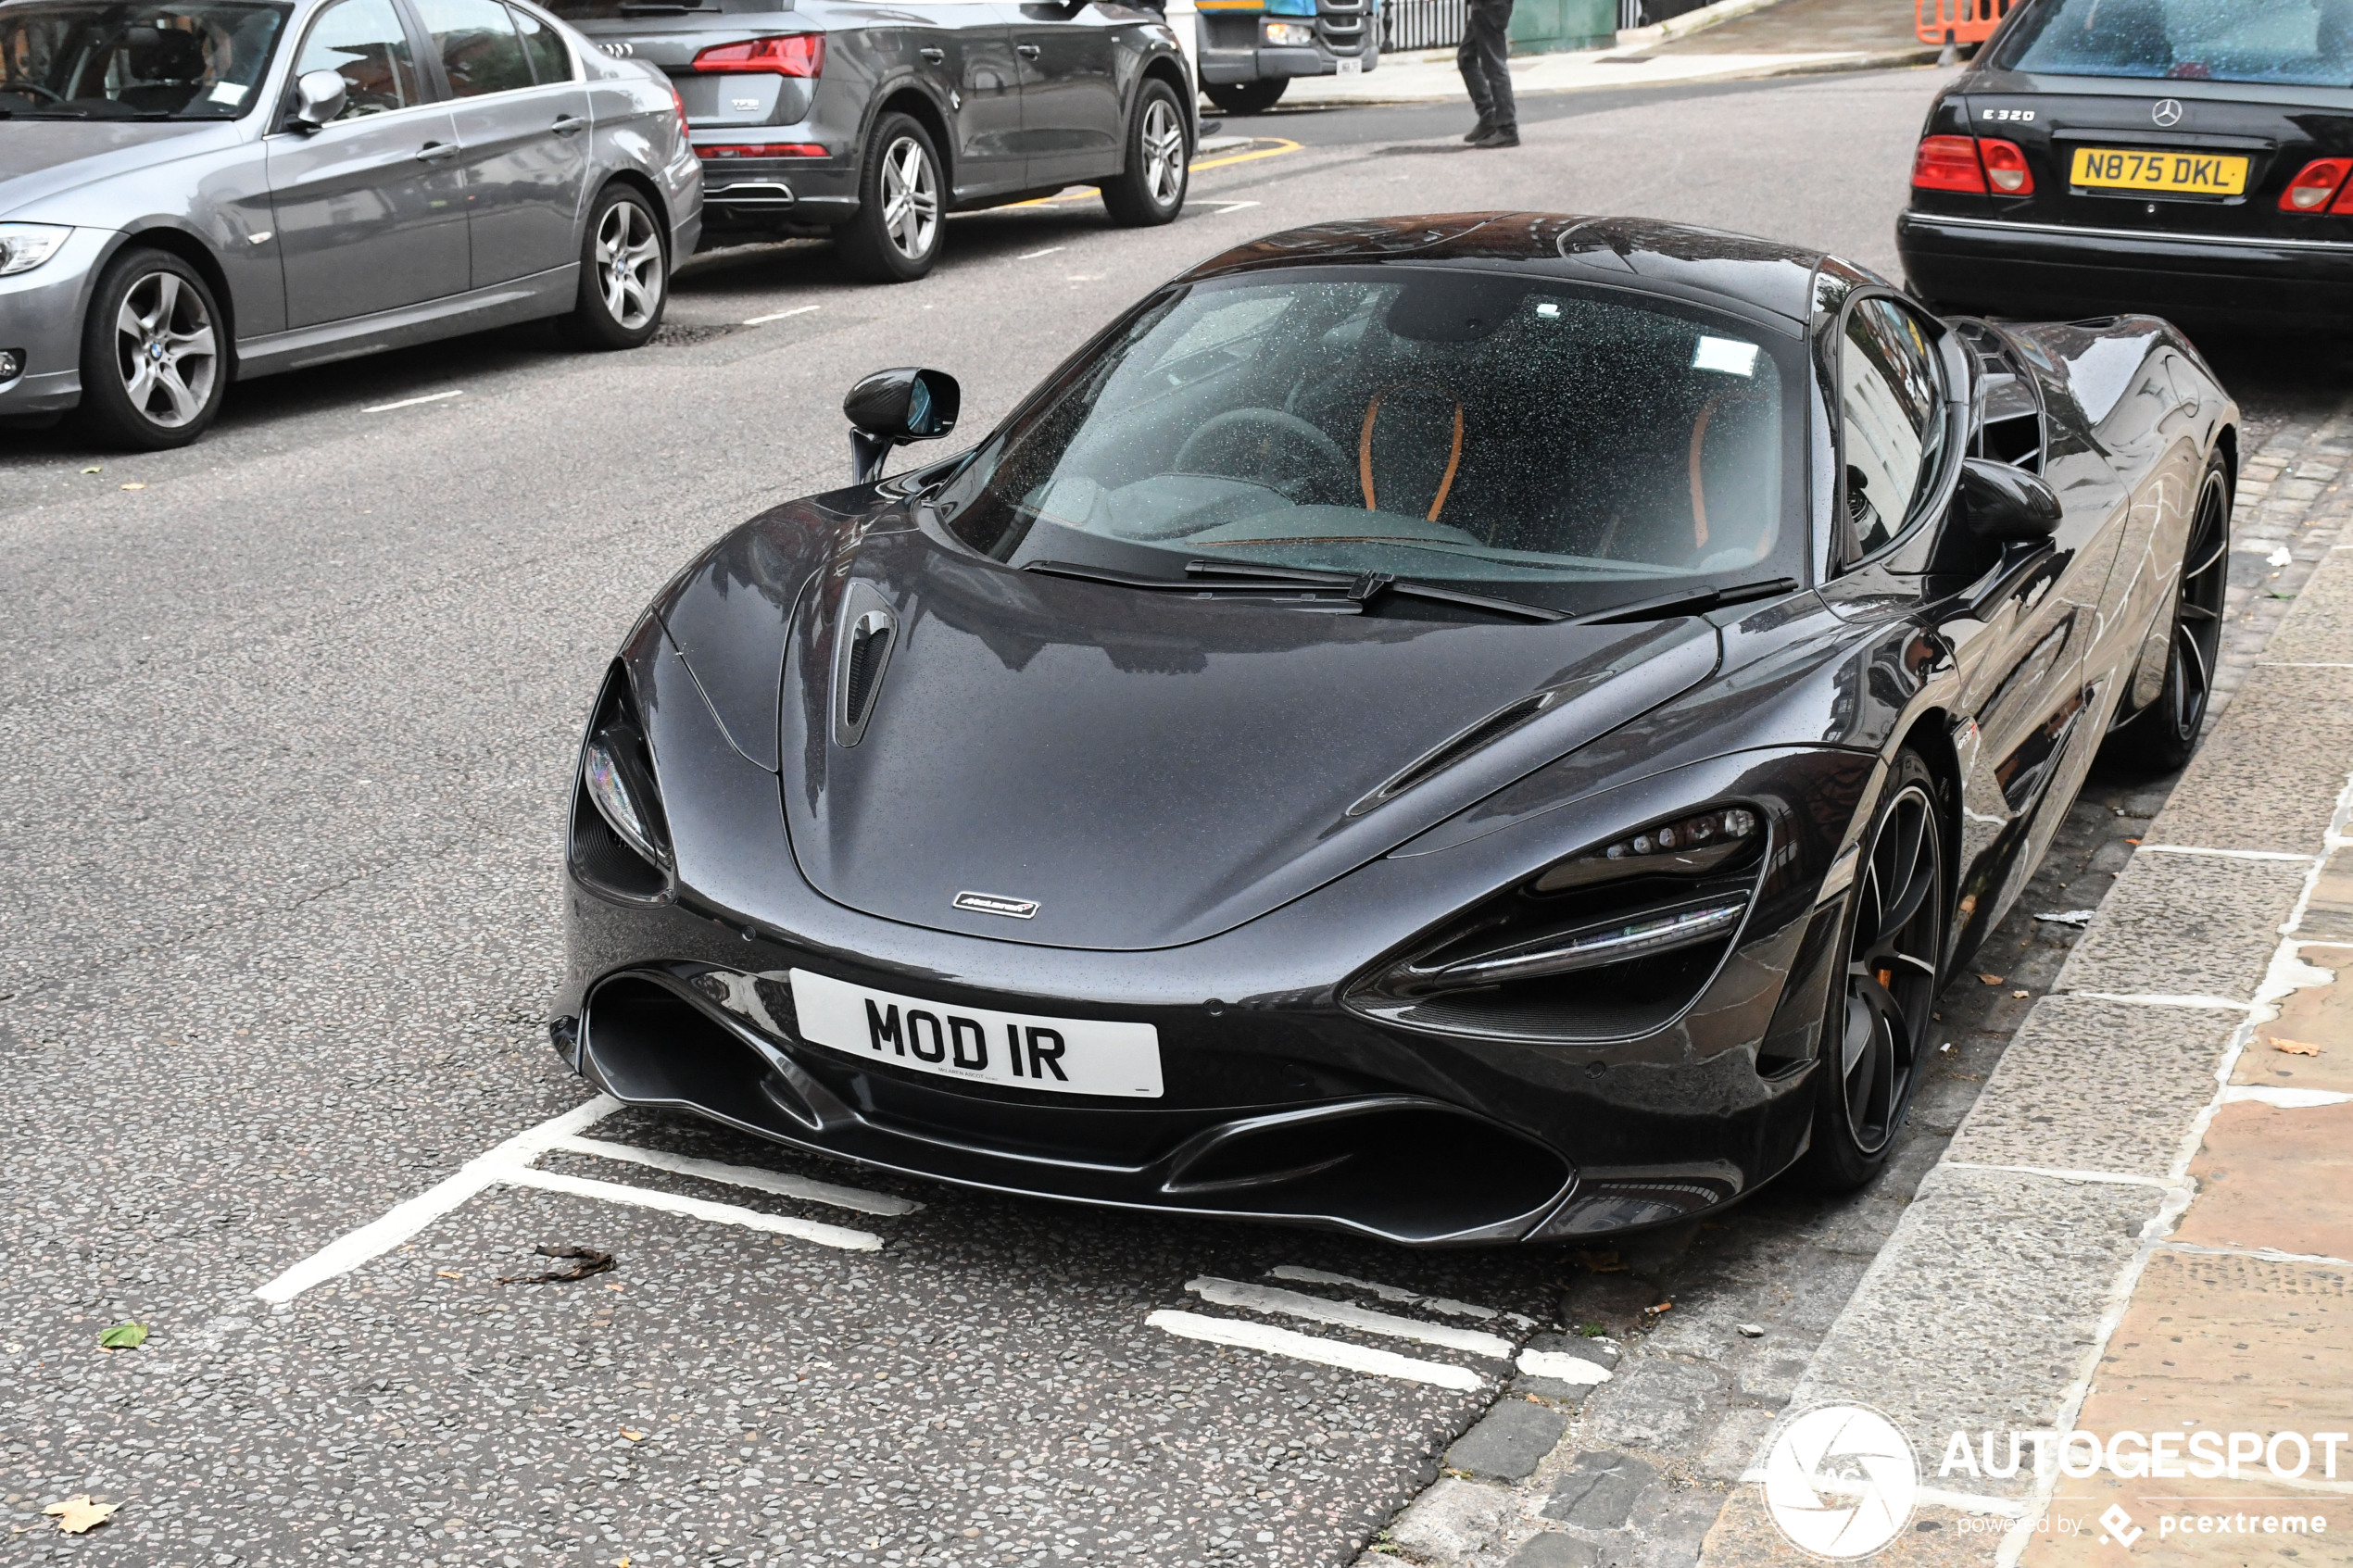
(193, 191)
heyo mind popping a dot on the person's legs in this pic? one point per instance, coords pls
(1486, 50)
(1474, 71)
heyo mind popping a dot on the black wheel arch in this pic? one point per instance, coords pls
(909, 95)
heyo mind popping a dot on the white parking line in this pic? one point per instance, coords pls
(694, 1208)
(1228, 208)
(1396, 1293)
(777, 1182)
(2285, 1099)
(1307, 1348)
(1340, 1315)
(1049, 250)
(779, 315)
(412, 402)
(1561, 1367)
(403, 1220)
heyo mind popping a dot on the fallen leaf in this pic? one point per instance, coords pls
(613, 1285)
(2296, 1047)
(448, 1273)
(79, 1514)
(591, 1262)
(1991, 979)
(94, 468)
(134, 487)
(2133, 841)
(2021, 995)
(633, 1437)
(123, 1337)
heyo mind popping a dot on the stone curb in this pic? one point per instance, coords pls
(1994, 1287)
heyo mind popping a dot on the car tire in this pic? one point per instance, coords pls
(625, 274)
(2161, 737)
(154, 363)
(1151, 188)
(1247, 97)
(1875, 1026)
(902, 213)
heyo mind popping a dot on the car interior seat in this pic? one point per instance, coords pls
(1409, 450)
(163, 65)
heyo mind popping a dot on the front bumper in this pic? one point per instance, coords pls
(1223, 68)
(41, 314)
(2046, 270)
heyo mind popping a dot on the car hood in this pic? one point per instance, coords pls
(1149, 769)
(43, 157)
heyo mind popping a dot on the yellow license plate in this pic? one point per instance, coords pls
(2123, 168)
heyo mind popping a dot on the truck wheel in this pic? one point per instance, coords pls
(1247, 97)
(1151, 188)
(895, 238)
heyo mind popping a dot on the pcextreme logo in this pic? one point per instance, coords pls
(1841, 1481)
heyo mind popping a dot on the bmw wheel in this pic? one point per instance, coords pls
(1875, 1033)
(901, 207)
(2161, 737)
(1151, 188)
(152, 371)
(625, 274)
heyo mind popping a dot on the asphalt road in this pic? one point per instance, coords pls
(286, 721)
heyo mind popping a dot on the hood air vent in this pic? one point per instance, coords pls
(862, 643)
(1431, 763)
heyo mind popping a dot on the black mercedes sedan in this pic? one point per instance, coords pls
(873, 124)
(1480, 728)
(2183, 156)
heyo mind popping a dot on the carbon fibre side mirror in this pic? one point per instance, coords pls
(891, 408)
(2005, 505)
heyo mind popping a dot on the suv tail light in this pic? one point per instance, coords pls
(1948, 163)
(2006, 167)
(760, 149)
(2314, 184)
(792, 53)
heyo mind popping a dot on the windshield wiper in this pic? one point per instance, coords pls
(1691, 602)
(1180, 584)
(1363, 587)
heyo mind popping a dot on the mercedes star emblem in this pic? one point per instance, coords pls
(2166, 111)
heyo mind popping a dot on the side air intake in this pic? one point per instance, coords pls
(862, 644)
(1436, 760)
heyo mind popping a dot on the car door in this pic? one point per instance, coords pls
(521, 118)
(1069, 92)
(2153, 438)
(966, 47)
(371, 210)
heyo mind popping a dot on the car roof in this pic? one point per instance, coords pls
(1677, 258)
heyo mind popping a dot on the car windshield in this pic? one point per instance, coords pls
(1571, 446)
(2292, 42)
(194, 61)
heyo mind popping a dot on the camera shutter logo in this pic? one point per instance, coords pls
(1841, 1481)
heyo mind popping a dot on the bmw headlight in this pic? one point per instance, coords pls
(24, 247)
(1614, 940)
(620, 838)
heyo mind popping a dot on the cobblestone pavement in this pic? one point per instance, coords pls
(1710, 1329)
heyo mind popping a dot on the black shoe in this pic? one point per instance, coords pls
(1500, 136)
(1485, 128)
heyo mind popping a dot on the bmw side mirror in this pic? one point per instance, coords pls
(891, 408)
(2007, 506)
(317, 98)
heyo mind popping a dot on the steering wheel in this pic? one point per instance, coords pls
(1278, 426)
(15, 85)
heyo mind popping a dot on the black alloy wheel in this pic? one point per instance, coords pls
(2161, 737)
(902, 205)
(1247, 97)
(1875, 1030)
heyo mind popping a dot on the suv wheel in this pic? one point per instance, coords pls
(152, 368)
(624, 275)
(895, 238)
(1151, 190)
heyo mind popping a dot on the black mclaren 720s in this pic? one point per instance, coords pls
(1470, 729)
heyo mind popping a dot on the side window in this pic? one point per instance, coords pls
(363, 41)
(480, 49)
(1891, 407)
(550, 62)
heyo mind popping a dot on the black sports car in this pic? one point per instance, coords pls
(1465, 729)
(2184, 157)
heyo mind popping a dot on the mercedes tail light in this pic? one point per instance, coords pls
(2315, 184)
(2005, 167)
(1948, 163)
(792, 53)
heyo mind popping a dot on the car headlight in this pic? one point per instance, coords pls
(1612, 941)
(24, 247)
(620, 838)
(1290, 32)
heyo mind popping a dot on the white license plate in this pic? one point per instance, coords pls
(1067, 1056)
(1349, 67)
